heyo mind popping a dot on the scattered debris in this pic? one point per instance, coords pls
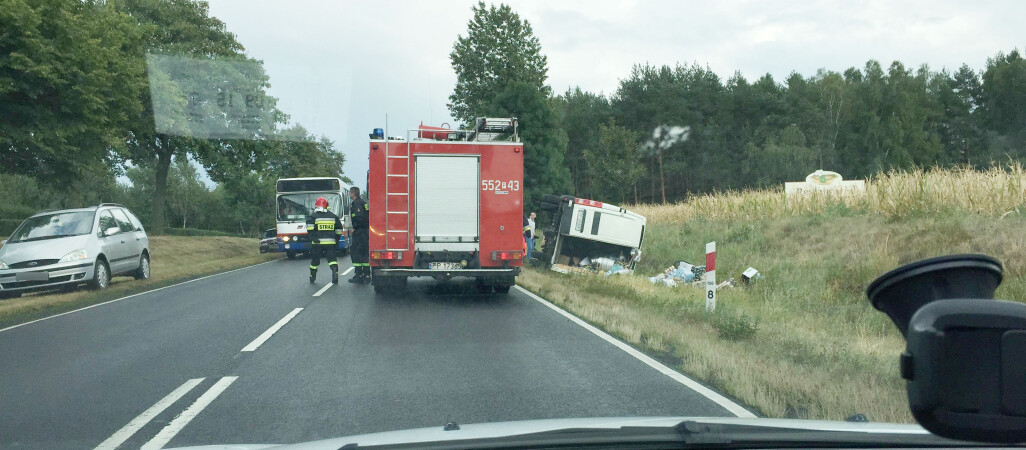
(617, 269)
(684, 272)
(750, 275)
(563, 268)
(599, 265)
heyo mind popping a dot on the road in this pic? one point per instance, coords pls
(254, 356)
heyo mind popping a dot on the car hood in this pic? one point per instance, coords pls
(510, 429)
(16, 252)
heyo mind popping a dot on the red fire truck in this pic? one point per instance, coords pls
(447, 203)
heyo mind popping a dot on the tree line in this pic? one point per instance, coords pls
(75, 97)
(77, 111)
(668, 132)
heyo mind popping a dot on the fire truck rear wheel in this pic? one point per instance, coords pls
(502, 289)
(388, 285)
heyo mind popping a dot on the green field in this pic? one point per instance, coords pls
(804, 341)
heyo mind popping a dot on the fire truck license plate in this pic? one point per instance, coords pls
(444, 266)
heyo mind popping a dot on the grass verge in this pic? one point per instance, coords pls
(803, 342)
(174, 259)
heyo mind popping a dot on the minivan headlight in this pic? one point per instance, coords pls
(77, 255)
(3, 265)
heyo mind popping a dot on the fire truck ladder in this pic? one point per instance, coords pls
(397, 202)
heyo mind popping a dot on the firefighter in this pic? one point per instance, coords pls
(323, 227)
(359, 249)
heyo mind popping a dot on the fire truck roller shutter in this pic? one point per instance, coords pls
(447, 197)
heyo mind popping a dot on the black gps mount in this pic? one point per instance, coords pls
(965, 360)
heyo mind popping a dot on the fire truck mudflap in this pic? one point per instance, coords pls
(447, 204)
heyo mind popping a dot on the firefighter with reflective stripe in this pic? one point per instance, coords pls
(359, 250)
(324, 228)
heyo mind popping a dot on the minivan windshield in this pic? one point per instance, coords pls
(52, 226)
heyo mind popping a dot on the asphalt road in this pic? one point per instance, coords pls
(169, 367)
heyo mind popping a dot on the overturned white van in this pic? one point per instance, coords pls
(587, 229)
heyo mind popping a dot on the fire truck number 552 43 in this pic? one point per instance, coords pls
(497, 185)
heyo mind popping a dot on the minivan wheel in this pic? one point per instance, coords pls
(143, 272)
(101, 275)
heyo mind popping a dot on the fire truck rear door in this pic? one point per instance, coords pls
(447, 202)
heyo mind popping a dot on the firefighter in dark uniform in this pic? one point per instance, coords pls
(324, 228)
(359, 248)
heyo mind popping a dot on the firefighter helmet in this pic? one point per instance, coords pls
(321, 202)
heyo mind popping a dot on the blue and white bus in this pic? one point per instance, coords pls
(295, 199)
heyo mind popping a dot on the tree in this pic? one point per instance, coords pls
(500, 72)
(186, 191)
(67, 86)
(545, 171)
(300, 154)
(1003, 101)
(664, 137)
(500, 49)
(615, 163)
(185, 28)
(581, 113)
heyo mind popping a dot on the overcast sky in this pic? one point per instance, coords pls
(339, 66)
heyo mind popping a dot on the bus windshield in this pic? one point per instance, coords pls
(295, 207)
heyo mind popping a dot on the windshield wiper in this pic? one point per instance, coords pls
(43, 238)
(716, 435)
(696, 434)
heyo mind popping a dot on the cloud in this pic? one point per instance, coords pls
(339, 66)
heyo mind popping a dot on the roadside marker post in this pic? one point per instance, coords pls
(710, 277)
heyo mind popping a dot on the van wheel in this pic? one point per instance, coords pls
(101, 275)
(143, 272)
(290, 254)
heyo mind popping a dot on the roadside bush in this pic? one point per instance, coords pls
(197, 232)
(733, 326)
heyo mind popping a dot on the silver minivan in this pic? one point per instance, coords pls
(69, 247)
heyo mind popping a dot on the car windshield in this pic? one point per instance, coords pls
(295, 207)
(548, 210)
(52, 226)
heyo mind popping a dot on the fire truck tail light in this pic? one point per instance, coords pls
(508, 255)
(383, 254)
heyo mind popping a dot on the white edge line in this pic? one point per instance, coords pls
(165, 435)
(347, 272)
(326, 287)
(270, 331)
(137, 423)
(134, 295)
(734, 408)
